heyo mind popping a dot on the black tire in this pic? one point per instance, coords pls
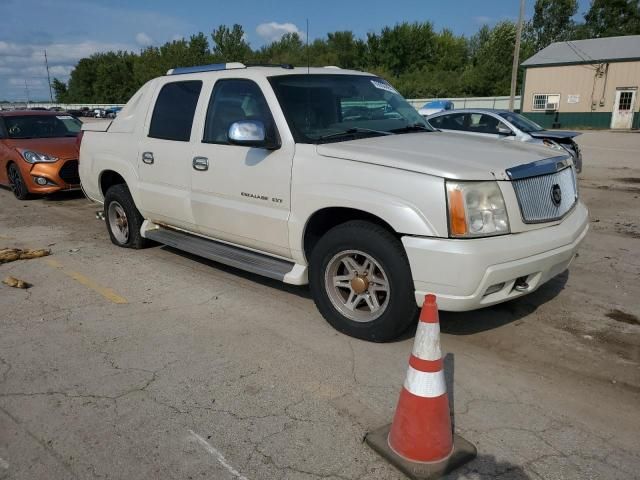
(119, 195)
(384, 248)
(17, 184)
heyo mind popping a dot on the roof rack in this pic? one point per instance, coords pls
(288, 66)
(206, 68)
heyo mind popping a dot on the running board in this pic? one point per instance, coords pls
(222, 253)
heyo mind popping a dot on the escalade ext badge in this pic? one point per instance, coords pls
(539, 167)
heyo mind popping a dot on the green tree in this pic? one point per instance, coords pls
(289, 49)
(406, 46)
(552, 22)
(490, 70)
(60, 90)
(82, 79)
(114, 81)
(609, 18)
(229, 44)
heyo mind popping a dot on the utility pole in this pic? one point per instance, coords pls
(516, 57)
(46, 62)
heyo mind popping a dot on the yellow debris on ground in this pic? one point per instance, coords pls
(15, 282)
(12, 254)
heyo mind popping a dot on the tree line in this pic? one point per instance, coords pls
(418, 60)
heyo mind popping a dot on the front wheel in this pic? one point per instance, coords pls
(17, 183)
(361, 281)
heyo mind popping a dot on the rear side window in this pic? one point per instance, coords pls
(173, 113)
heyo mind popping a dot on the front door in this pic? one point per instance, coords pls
(623, 108)
(241, 194)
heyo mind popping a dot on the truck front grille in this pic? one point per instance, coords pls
(546, 198)
(69, 172)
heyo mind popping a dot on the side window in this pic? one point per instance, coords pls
(173, 113)
(455, 121)
(481, 123)
(232, 101)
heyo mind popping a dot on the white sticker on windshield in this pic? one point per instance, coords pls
(382, 85)
(64, 117)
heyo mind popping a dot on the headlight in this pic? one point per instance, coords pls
(36, 157)
(476, 209)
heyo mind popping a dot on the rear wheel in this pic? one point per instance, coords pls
(123, 218)
(361, 281)
(17, 183)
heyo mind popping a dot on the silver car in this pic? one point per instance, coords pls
(505, 125)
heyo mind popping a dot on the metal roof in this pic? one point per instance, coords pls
(592, 50)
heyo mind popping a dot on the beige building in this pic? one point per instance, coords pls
(584, 83)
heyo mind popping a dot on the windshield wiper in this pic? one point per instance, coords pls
(353, 131)
(414, 127)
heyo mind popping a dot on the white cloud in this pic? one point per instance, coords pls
(273, 31)
(20, 62)
(143, 39)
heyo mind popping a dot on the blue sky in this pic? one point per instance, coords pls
(72, 29)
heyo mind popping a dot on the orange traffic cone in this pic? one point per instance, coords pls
(419, 441)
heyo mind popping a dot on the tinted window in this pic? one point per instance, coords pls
(234, 101)
(454, 121)
(481, 123)
(42, 126)
(173, 113)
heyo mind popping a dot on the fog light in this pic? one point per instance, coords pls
(41, 180)
(494, 288)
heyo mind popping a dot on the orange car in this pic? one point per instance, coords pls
(38, 152)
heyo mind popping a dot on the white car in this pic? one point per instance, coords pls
(329, 177)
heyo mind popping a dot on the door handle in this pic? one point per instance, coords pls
(200, 163)
(147, 157)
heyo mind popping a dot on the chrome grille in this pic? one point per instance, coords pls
(536, 199)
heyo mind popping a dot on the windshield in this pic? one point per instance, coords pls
(333, 108)
(520, 122)
(42, 126)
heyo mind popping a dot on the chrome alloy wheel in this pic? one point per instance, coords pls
(118, 222)
(357, 285)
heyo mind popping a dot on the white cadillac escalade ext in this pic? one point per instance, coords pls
(329, 177)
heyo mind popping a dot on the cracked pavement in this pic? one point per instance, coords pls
(546, 387)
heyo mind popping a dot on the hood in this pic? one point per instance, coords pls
(554, 134)
(64, 148)
(447, 155)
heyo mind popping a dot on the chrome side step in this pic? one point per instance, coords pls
(220, 252)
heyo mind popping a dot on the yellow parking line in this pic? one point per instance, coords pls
(87, 282)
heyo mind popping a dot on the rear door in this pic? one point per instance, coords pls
(165, 153)
(242, 194)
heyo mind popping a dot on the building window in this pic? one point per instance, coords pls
(625, 101)
(545, 101)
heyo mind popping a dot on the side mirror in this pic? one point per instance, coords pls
(504, 130)
(250, 133)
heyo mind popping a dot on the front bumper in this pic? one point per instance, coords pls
(60, 175)
(459, 272)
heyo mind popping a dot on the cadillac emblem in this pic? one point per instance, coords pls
(556, 195)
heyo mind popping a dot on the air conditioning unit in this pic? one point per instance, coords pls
(553, 101)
